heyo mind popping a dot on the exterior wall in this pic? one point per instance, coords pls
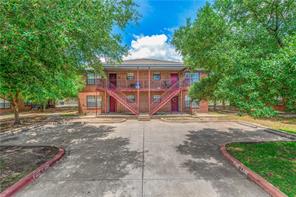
(82, 98)
(22, 107)
(144, 100)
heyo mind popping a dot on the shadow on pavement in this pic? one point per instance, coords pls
(93, 153)
(207, 162)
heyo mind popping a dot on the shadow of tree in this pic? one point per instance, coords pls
(91, 154)
(206, 161)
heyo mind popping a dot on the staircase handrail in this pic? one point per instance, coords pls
(112, 87)
(164, 95)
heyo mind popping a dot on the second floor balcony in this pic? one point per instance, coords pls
(143, 85)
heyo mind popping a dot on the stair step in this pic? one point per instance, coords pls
(143, 117)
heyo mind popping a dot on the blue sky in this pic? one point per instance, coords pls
(154, 29)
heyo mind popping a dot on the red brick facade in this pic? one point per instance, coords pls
(149, 88)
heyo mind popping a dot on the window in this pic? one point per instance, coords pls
(91, 79)
(194, 104)
(92, 102)
(192, 77)
(189, 102)
(130, 76)
(131, 98)
(156, 98)
(4, 104)
(156, 76)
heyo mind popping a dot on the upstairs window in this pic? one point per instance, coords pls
(130, 76)
(156, 98)
(131, 98)
(4, 104)
(192, 77)
(92, 101)
(91, 79)
(156, 76)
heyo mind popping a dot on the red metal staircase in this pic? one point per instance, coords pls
(112, 90)
(166, 97)
(122, 99)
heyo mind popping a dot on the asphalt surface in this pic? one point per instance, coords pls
(138, 159)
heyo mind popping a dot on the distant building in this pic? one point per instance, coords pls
(70, 102)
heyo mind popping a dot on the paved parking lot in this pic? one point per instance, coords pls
(135, 158)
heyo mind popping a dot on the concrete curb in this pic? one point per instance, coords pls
(32, 176)
(269, 130)
(253, 125)
(268, 187)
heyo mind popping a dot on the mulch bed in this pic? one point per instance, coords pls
(18, 161)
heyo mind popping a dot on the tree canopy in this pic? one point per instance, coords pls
(46, 44)
(247, 49)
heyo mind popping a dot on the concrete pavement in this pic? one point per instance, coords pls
(135, 158)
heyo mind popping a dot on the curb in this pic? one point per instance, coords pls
(268, 187)
(32, 176)
(269, 130)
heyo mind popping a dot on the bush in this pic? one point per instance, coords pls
(265, 112)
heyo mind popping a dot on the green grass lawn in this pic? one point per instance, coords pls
(293, 131)
(275, 161)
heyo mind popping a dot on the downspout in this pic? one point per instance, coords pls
(149, 93)
(138, 90)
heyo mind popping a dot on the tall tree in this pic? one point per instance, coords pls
(46, 44)
(241, 59)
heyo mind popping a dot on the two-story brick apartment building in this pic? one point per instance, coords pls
(141, 86)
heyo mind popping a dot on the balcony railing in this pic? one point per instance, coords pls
(124, 84)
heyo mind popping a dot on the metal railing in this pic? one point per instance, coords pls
(163, 84)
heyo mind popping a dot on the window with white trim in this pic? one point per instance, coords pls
(91, 79)
(156, 98)
(187, 101)
(192, 77)
(4, 104)
(91, 101)
(156, 76)
(130, 76)
(131, 98)
(190, 103)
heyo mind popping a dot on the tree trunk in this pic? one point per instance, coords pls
(215, 104)
(15, 103)
(223, 103)
(43, 106)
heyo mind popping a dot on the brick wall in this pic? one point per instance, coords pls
(144, 107)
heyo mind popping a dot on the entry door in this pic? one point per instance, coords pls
(112, 80)
(174, 78)
(175, 104)
(112, 104)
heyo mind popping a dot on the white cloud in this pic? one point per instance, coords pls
(155, 47)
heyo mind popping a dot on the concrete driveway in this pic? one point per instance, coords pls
(135, 158)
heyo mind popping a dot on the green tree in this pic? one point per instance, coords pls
(237, 43)
(46, 44)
